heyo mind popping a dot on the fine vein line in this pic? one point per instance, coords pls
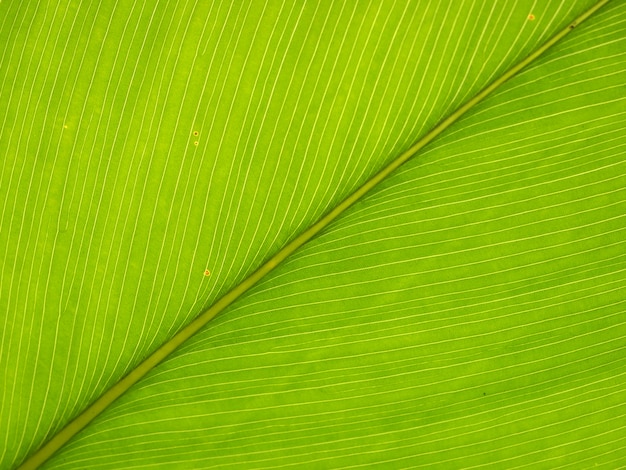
(98, 406)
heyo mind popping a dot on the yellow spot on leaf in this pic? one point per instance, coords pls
(207, 272)
(531, 17)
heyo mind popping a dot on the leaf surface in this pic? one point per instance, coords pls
(468, 312)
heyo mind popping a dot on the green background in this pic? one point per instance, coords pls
(468, 312)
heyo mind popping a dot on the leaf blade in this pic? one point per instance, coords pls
(238, 176)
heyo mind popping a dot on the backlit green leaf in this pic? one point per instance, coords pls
(468, 312)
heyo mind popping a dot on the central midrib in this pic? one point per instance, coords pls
(106, 399)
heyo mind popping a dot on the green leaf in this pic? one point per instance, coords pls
(468, 311)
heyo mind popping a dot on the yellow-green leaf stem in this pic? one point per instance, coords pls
(187, 332)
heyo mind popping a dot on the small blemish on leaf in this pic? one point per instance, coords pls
(196, 133)
(531, 17)
(196, 142)
(207, 272)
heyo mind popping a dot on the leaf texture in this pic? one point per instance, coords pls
(468, 312)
